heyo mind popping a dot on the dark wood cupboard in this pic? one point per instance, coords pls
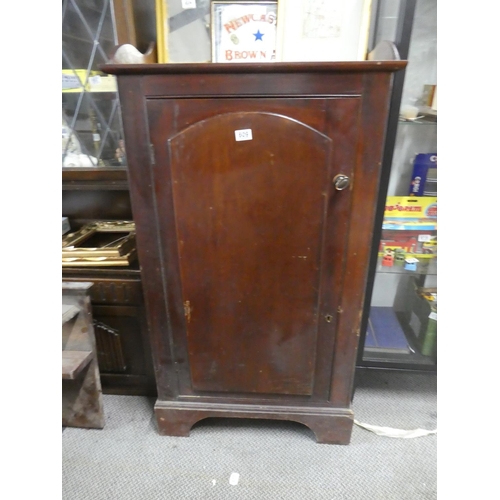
(120, 328)
(253, 190)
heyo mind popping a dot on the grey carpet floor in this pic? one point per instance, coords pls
(128, 460)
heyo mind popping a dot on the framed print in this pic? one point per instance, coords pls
(322, 30)
(244, 31)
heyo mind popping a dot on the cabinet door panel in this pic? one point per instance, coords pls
(249, 242)
(253, 215)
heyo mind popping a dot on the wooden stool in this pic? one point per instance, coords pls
(81, 384)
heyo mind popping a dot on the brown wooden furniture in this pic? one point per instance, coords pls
(123, 350)
(81, 385)
(253, 189)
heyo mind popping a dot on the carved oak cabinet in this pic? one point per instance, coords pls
(253, 189)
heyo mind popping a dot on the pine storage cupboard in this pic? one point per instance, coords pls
(253, 190)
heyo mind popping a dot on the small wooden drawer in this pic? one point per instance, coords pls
(114, 291)
(120, 291)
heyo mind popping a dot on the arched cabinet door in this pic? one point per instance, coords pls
(254, 235)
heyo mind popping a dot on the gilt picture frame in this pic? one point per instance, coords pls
(103, 243)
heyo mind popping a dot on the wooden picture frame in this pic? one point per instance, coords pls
(183, 31)
(161, 31)
(318, 30)
(125, 22)
(243, 31)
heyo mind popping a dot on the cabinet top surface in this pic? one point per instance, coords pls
(277, 67)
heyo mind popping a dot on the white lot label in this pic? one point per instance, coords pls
(424, 237)
(188, 4)
(234, 478)
(433, 316)
(243, 135)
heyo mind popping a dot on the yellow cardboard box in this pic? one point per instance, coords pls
(74, 80)
(99, 82)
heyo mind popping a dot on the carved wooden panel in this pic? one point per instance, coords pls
(109, 348)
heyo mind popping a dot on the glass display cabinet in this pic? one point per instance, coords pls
(399, 328)
(91, 123)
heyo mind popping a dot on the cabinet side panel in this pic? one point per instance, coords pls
(372, 127)
(142, 196)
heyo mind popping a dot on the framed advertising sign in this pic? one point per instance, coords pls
(244, 31)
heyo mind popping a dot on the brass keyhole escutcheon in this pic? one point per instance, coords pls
(328, 318)
(341, 181)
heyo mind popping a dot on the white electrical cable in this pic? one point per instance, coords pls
(395, 433)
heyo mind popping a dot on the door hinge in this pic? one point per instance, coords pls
(152, 154)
